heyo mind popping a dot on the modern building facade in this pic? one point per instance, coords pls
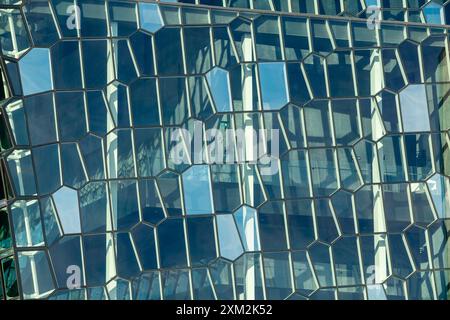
(220, 149)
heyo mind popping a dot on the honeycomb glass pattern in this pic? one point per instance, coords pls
(100, 98)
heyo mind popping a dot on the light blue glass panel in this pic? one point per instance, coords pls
(219, 84)
(414, 106)
(197, 190)
(150, 17)
(66, 202)
(22, 172)
(229, 242)
(274, 86)
(36, 62)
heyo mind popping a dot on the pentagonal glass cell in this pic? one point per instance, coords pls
(125, 69)
(414, 107)
(91, 149)
(244, 84)
(241, 34)
(219, 84)
(305, 281)
(53, 230)
(393, 77)
(267, 38)
(346, 261)
(340, 75)
(230, 245)
(144, 102)
(35, 275)
(41, 23)
(318, 124)
(36, 62)
(150, 202)
(375, 258)
(40, 113)
(400, 262)
(320, 37)
(300, 223)
(433, 13)
(197, 49)
(274, 87)
(220, 272)
(70, 111)
(343, 208)
(93, 18)
(98, 250)
(173, 95)
(272, 228)
(323, 171)
(327, 229)
(348, 169)
(247, 224)
(200, 235)
(94, 207)
(368, 71)
(124, 204)
(14, 40)
(409, 54)
(66, 259)
(97, 63)
(171, 243)
(417, 243)
(395, 289)
(418, 156)
(296, 42)
(22, 172)
(297, 83)
(66, 202)
(395, 203)
(144, 241)
(66, 65)
(126, 260)
(170, 187)
(320, 258)
(26, 217)
(295, 174)
(47, 166)
(168, 51)
(150, 17)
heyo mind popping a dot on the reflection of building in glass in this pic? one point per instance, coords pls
(93, 197)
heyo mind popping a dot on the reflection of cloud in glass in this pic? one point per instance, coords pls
(414, 108)
(35, 71)
(273, 80)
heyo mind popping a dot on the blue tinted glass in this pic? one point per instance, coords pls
(172, 250)
(37, 61)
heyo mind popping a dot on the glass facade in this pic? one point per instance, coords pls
(209, 149)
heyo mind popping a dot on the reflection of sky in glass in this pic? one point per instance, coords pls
(66, 202)
(35, 71)
(432, 13)
(197, 190)
(229, 242)
(219, 84)
(414, 108)
(246, 222)
(273, 80)
(150, 17)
